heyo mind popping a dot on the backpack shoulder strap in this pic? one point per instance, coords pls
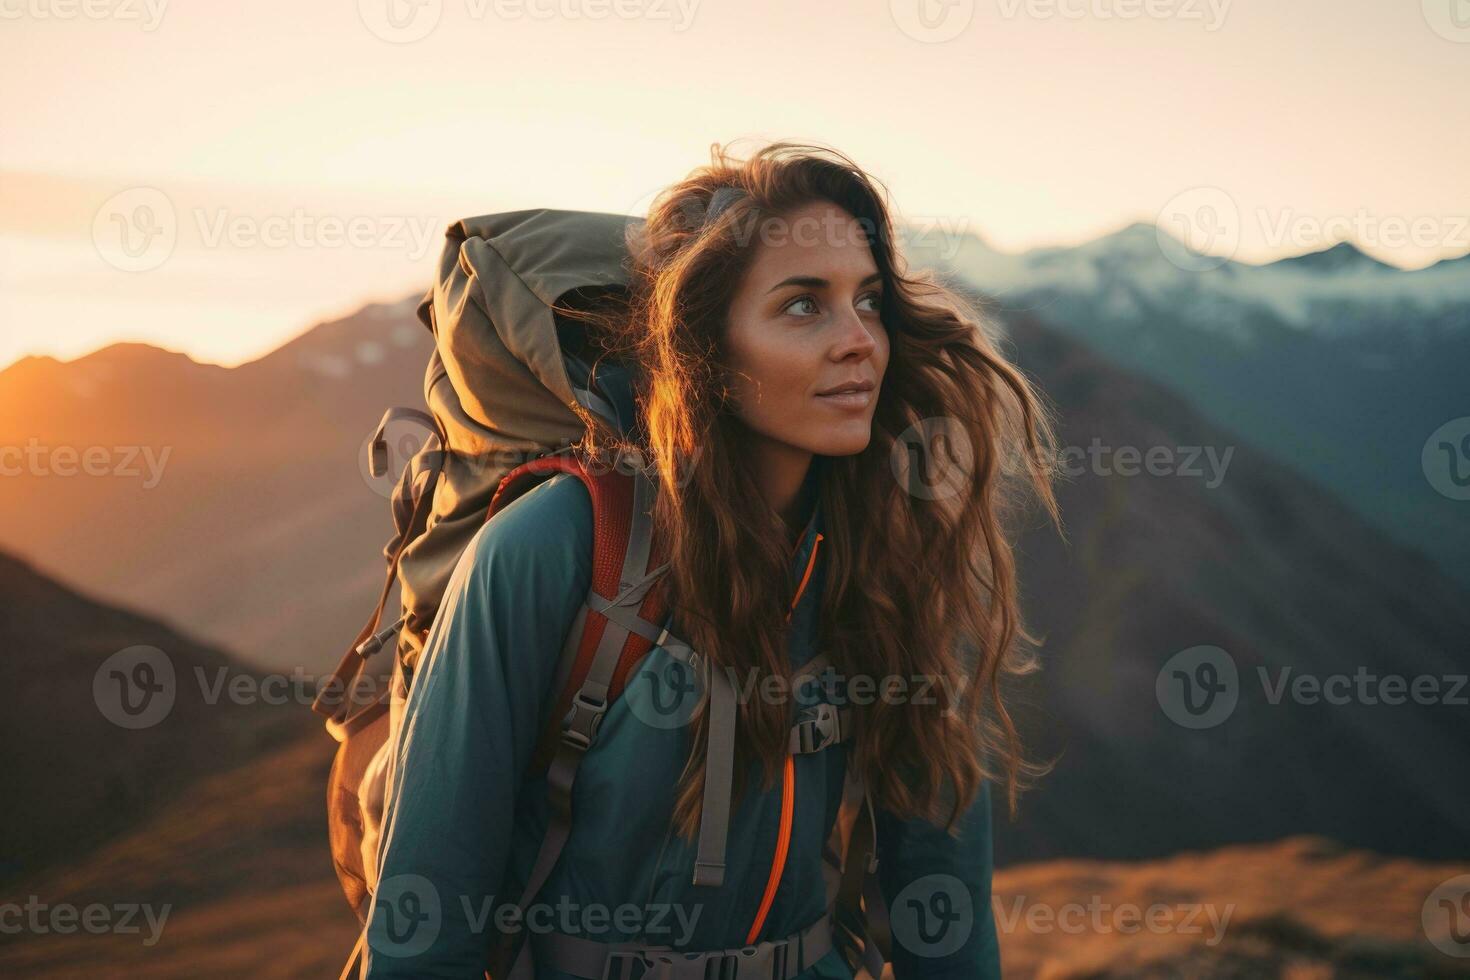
(624, 617)
(624, 613)
(617, 626)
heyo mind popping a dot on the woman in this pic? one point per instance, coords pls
(793, 379)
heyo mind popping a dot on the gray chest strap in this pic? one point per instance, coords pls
(817, 727)
(775, 959)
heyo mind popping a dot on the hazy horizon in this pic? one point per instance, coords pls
(296, 163)
(350, 307)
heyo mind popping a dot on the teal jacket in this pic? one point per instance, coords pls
(463, 828)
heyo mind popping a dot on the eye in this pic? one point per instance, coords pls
(788, 308)
(873, 298)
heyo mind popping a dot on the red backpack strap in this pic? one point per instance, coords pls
(625, 610)
(618, 625)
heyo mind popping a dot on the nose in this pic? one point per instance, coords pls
(855, 337)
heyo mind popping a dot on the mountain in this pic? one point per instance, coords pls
(242, 896)
(233, 503)
(1154, 266)
(203, 837)
(1342, 257)
(232, 880)
(1219, 545)
(1253, 559)
(1343, 368)
(215, 808)
(109, 717)
(1300, 907)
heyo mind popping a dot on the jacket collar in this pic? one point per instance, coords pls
(811, 507)
(809, 502)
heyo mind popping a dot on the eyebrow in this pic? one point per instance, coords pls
(817, 282)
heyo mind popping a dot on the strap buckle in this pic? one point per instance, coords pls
(766, 961)
(580, 729)
(817, 727)
(648, 964)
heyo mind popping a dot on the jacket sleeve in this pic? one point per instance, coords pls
(472, 719)
(937, 888)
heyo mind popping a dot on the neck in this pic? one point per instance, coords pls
(780, 473)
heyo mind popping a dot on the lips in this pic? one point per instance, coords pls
(851, 396)
(848, 387)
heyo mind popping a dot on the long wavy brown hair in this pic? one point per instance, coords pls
(921, 580)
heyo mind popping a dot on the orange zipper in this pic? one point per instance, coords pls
(788, 789)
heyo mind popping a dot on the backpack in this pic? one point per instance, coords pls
(506, 370)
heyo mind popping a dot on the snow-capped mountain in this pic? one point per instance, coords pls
(1340, 365)
(1142, 265)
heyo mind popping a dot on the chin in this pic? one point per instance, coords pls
(843, 443)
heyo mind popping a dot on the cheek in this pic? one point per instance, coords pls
(775, 374)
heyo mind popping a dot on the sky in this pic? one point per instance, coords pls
(216, 178)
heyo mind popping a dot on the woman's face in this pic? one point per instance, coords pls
(805, 322)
